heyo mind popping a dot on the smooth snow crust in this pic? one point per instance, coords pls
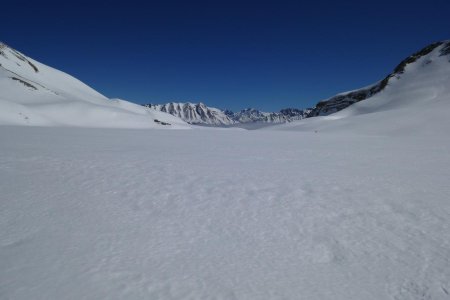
(222, 214)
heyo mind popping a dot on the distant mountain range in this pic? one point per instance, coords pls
(34, 94)
(201, 114)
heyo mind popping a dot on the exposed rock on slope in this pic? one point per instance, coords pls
(343, 100)
(202, 114)
(194, 113)
(250, 115)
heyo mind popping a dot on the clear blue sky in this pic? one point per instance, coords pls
(228, 54)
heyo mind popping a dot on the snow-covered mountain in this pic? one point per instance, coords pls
(194, 113)
(414, 98)
(343, 100)
(250, 115)
(34, 94)
(201, 114)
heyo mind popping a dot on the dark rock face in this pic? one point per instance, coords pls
(160, 122)
(29, 85)
(339, 102)
(295, 112)
(228, 113)
(446, 49)
(401, 67)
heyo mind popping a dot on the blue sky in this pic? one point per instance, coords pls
(228, 54)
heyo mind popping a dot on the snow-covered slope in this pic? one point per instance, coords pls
(34, 94)
(415, 98)
(194, 113)
(343, 100)
(202, 114)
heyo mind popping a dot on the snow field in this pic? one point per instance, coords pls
(222, 214)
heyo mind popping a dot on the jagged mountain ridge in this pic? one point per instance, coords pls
(343, 100)
(199, 113)
(250, 115)
(194, 113)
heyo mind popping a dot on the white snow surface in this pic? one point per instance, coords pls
(223, 214)
(34, 94)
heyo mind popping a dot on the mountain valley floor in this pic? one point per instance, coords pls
(222, 214)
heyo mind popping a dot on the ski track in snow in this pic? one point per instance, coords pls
(222, 214)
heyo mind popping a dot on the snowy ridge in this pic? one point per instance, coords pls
(34, 94)
(202, 114)
(343, 100)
